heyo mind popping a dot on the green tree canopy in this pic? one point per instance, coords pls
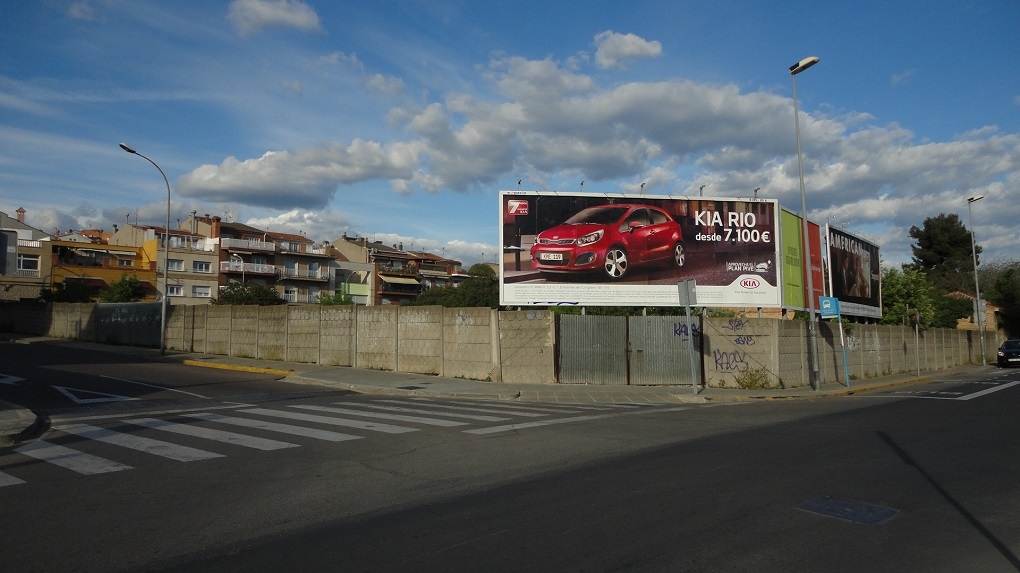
(942, 250)
(906, 297)
(480, 289)
(1004, 291)
(248, 293)
(334, 299)
(68, 291)
(126, 289)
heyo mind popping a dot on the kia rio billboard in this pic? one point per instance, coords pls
(632, 250)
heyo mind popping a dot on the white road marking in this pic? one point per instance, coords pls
(539, 423)
(67, 458)
(157, 387)
(489, 410)
(384, 416)
(987, 391)
(6, 480)
(103, 396)
(479, 417)
(62, 419)
(275, 427)
(11, 380)
(386, 428)
(140, 443)
(210, 434)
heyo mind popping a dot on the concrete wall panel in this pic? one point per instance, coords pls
(337, 338)
(527, 347)
(377, 337)
(272, 332)
(420, 339)
(467, 343)
(303, 333)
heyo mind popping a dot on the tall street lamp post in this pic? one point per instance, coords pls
(812, 323)
(980, 312)
(166, 252)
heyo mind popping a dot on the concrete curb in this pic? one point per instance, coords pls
(15, 421)
(390, 391)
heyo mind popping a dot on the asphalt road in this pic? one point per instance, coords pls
(920, 478)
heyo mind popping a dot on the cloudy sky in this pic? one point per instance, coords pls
(401, 120)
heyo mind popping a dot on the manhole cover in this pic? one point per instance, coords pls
(849, 510)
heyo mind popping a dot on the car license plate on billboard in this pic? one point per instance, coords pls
(550, 256)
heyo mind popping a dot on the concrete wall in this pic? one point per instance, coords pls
(527, 346)
(509, 346)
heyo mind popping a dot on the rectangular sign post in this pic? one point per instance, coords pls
(689, 297)
(828, 307)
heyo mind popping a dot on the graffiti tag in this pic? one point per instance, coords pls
(736, 324)
(732, 360)
(680, 329)
(744, 340)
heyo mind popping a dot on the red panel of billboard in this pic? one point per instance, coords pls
(632, 250)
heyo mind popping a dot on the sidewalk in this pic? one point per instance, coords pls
(15, 419)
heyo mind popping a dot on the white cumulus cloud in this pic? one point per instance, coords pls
(251, 16)
(613, 49)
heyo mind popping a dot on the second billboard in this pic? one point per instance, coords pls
(632, 250)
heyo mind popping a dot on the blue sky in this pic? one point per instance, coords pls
(401, 121)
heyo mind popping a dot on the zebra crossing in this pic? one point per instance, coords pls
(357, 419)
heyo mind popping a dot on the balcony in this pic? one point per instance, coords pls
(253, 268)
(25, 273)
(301, 248)
(305, 274)
(248, 245)
(301, 298)
(29, 243)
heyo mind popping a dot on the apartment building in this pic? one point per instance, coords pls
(193, 260)
(400, 276)
(26, 263)
(291, 264)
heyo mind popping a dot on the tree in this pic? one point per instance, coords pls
(248, 293)
(127, 289)
(907, 297)
(1005, 292)
(479, 290)
(68, 291)
(942, 250)
(334, 299)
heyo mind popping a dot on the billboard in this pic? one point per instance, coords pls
(792, 247)
(632, 250)
(855, 275)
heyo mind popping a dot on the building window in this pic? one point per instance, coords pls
(125, 263)
(258, 260)
(201, 291)
(290, 294)
(201, 267)
(28, 263)
(175, 265)
(174, 290)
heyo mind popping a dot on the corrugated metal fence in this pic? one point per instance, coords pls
(636, 350)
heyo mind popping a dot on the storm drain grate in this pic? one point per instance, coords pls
(411, 387)
(849, 510)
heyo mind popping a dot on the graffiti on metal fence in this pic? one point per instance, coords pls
(733, 360)
(681, 329)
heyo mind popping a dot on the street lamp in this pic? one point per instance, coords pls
(166, 252)
(240, 259)
(812, 324)
(977, 285)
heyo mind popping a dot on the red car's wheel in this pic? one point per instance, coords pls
(616, 264)
(679, 255)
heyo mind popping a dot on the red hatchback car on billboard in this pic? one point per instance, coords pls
(610, 239)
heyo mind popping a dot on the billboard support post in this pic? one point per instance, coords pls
(689, 296)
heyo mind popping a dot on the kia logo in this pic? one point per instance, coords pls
(750, 283)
